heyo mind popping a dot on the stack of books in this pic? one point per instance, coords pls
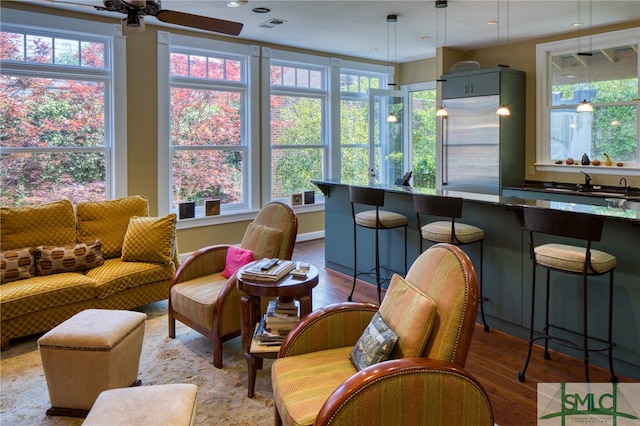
(268, 270)
(276, 323)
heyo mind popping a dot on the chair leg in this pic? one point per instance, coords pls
(521, 374)
(378, 281)
(172, 325)
(355, 263)
(545, 330)
(482, 298)
(405, 250)
(613, 378)
(585, 339)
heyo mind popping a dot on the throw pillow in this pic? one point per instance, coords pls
(411, 313)
(70, 258)
(236, 257)
(150, 239)
(263, 240)
(16, 265)
(375, 344)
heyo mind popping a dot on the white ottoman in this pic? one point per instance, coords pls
(95, 350)
(170, 405)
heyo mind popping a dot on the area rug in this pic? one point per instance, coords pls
(222, 393)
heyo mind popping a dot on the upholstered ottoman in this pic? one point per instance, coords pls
(171, 405)
(95, 350)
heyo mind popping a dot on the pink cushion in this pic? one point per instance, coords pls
(236, 257)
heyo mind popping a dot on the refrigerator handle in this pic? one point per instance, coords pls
(445, 149)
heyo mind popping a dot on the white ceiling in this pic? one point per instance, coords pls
(355, 28)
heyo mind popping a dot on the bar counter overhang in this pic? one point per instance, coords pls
(507, 265)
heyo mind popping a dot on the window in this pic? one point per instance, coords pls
(56, 97)
(422, 104)
(298, 125)
(207, 144)
(354, 123)
(603, 70)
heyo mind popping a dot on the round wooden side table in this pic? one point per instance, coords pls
(287, 289)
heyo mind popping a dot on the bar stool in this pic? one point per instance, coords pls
(572, 259)
(448, 231)
(373, 219)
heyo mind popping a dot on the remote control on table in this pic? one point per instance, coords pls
(269, 265)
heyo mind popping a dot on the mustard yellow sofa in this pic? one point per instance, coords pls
(58, 259)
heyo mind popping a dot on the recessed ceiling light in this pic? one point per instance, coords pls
(373, 49)
(261, 10)
(577, 24)
(236, 3)
(425, 38)
(492, 22)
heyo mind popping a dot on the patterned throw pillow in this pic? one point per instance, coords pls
(70, 258)
(236, 257)
(150, 239)
(375, 344)
(16, 265)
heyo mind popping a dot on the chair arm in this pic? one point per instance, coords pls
(447, 393)
(205, 261)
(333, 326)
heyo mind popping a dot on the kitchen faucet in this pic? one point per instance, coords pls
(587, 180)
(626, 188)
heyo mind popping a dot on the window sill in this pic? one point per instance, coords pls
(625, 170)
(200, 221)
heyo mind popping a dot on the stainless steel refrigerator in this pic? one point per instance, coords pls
(470, 145)
(481, 151)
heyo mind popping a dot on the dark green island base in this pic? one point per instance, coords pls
(507, 266)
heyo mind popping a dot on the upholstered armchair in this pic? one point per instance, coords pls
(432, 311)
(203, 299)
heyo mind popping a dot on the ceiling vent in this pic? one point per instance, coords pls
(272, 23)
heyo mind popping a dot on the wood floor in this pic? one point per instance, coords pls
(494, 359)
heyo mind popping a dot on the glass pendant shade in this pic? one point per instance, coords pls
(584, 107)
(442, 112)
(391, 118)
(503, 110)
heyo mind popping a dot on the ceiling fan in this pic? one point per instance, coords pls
(135, 9)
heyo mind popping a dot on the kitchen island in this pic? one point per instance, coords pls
(507, 266)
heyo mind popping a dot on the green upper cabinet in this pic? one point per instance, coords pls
(477, 83)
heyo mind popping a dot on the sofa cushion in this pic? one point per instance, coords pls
(16, 265)
(410, 313)
(263, 240)
(39, 293)
(304, 403)
(71, 258)
(108, 221)
(30, 226)
(116, 275)
(150, 239)
(196, 298)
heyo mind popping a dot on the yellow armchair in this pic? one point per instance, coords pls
(201, 298)
(314, 381)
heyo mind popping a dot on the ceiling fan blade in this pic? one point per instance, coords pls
(200, 22)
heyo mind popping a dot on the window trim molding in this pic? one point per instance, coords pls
(250, 123)
(544, 51)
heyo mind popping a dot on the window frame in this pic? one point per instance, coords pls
(544, 52)
(169, 43)
(113, 75)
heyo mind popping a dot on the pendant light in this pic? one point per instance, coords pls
(392, 19)
(503, 110)
(441, 111)
(584, 106)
